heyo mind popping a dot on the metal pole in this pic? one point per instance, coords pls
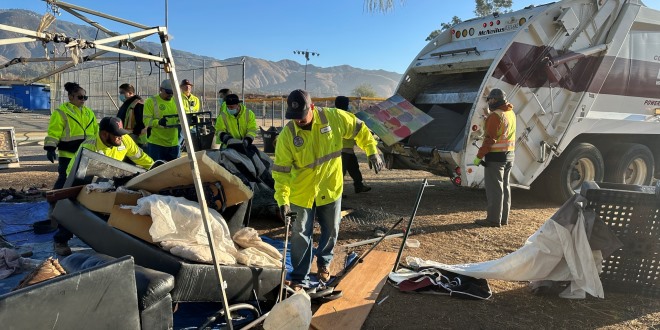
(166, 13)
(102, 81)
(136, 77)
(203, 83)
(217, 98)
(199, 188)
(306, 60)
(412, 216)
(243, 86)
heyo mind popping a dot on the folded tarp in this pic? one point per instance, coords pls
(177, 173)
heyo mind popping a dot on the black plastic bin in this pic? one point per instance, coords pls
(269, 137)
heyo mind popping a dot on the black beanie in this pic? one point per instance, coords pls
(341, 102)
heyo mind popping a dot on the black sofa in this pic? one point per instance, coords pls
(194, 282)
(100, 297)
(153, 288)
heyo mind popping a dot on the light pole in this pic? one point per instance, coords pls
(306, 53)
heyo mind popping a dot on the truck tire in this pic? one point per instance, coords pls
(580, 162)
(630, 163)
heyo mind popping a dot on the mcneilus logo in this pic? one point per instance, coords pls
(506, 28)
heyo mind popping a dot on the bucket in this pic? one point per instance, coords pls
(269, 137)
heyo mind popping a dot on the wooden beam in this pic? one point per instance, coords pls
(360, 288)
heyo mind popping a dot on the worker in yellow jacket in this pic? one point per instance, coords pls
(161, 118)
(69, 125)
(112, 141)
(309, 180)
(235, 121)
(190, 101)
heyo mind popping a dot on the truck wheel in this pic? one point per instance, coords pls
(630, 163)
(581, 162)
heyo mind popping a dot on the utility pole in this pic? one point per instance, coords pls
(306, 53)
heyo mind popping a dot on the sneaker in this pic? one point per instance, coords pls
(61, 249)
(361, 189)
(323, 274)
(486, 223)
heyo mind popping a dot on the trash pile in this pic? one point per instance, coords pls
(13, 195)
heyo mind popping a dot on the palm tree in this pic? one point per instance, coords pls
(379, 5)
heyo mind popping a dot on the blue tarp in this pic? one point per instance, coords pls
(16, 221)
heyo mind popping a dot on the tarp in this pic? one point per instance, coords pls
(558, 251)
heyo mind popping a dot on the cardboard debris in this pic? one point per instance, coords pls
(177, 173)
(134, 224)
(103, 202)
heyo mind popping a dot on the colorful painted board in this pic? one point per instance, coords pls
(394, 119)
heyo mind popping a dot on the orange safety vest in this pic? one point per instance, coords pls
(506, 133)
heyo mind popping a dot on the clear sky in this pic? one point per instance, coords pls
(342, 31)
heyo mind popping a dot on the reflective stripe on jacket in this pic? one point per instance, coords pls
(506, 140)
(307, 167)
(68, 127)
(190, 103)
(500, 131)
(243, 124)
(128, 148)
(154, 109)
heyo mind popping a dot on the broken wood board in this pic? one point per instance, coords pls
(360, 287)
(178, 173)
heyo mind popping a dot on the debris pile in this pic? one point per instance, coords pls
(13, 195)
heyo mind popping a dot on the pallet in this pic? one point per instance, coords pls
(360, 288)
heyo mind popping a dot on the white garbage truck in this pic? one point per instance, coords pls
(583, 77)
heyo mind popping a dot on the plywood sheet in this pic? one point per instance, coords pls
(178, 173)
(360, 288)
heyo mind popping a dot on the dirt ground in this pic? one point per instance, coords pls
(444, 227)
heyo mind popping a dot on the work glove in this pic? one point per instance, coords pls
(247, 141)
(284, 210)
(51, 155)
(376, 163)
(476, 161)
(224, 137)
(162, 122)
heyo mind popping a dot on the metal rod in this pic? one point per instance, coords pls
(113, 101)
(255, 322)
(243, 86)
(16, 40)
(407, 232)
(97, 25)
(99, 14)
(371, 240)
(287, 217)
(129, 52)
(199, 188)
(126, 36)
(364, 255)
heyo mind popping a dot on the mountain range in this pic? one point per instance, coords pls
(261, 76)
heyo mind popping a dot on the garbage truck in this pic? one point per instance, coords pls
(583, 77)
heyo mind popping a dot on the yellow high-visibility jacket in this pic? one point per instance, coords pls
(190, 103)
(68, 127)
(243, 124)
(307, 166)
(128, 148)
(154, 109)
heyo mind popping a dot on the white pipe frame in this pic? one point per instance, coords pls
(168, 64)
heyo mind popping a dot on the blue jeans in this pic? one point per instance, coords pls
(302, 228)
(157, 152)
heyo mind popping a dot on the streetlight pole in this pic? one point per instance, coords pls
(306, 53)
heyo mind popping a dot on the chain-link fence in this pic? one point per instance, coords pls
(102, 81)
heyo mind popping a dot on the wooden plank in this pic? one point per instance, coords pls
(57, 194)
(360, 288)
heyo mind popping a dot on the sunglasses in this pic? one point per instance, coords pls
(82, 97)
(168, 91)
